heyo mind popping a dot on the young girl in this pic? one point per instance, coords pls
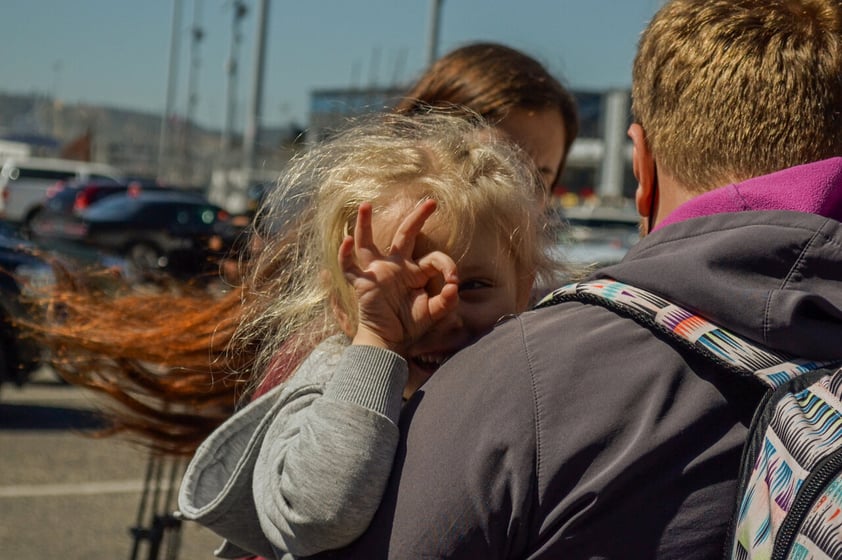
(414, 234)
(163, 359)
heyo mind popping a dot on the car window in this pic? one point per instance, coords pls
(153, 214)
(112, 208)
(53, 175)
(157, 215)
(100, 177)
(99, 193)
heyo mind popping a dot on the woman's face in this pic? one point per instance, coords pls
(540, 133)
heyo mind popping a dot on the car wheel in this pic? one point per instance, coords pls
(8, 361)
(144, 258)
(26, 228)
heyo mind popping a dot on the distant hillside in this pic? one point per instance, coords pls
(130, 139)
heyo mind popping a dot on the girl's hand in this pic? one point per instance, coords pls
(398, 298)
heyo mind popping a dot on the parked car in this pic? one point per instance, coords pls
(600, 236)
(24, 183)
(597, 236)
(21, 269)
(73, 197)
(181, 234)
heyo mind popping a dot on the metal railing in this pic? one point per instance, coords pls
(157, 528)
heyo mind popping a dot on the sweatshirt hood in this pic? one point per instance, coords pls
(815, 188)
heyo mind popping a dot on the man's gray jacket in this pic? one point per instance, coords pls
(572, 432)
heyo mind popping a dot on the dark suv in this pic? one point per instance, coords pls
(75, 196)
(177, 233)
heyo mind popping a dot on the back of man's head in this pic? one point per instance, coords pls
(732, 89)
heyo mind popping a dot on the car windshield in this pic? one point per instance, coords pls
(113, 208)
(594, 236)
(153, 211)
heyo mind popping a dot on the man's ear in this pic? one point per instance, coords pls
(643, 165)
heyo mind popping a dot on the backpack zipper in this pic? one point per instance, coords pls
(828, 468)
(750, 448)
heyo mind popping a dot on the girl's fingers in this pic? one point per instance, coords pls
(403, 242)
(347, 262)
(358, 252)
(363, 234)
(444, 302)
(439, 265)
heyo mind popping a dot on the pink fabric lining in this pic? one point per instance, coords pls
(814, 188)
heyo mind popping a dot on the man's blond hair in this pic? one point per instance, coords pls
(732, 89)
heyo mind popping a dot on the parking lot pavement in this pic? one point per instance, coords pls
(64, 494)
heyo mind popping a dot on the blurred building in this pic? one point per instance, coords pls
(330, 109)
(599, 163)
(36, 125)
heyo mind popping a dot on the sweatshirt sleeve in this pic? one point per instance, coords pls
(324, 463)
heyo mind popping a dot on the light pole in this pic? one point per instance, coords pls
(256, 98)
(231, 67)
(196, 35)
(54, 109)
(171, 80)
(613, 159)
(433, 31)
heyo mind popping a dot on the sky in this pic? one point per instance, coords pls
(117, 52)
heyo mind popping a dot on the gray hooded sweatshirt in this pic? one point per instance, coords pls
(302, 468)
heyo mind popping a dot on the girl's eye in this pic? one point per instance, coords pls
(474, 285)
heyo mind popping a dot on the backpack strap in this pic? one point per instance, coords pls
(792, 459)
(687, 330)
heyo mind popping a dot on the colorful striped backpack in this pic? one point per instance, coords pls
(789, 498)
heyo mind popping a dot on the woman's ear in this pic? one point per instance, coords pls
(643, 165)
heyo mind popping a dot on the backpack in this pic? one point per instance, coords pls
(789, 494)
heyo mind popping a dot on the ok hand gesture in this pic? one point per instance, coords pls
(398, 298)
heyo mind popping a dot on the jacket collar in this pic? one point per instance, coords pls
(814, 188)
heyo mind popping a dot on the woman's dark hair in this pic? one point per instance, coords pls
(491, 79)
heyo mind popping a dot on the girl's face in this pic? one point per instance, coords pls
(540, 133)
(490, 287)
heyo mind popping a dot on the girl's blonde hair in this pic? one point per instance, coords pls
(174, 363)
(294, 280)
